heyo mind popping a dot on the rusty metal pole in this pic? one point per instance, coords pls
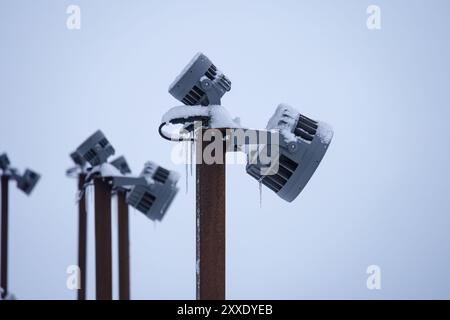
(124, 249)
(82, 238)
(210, 202)
(103, 250)
(4, 236)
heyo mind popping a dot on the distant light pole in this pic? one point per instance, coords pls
(151, 193)
(26, 183)
(123, 232)
(80, 171)
(96, 150)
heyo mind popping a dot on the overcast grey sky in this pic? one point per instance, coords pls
(380, 196)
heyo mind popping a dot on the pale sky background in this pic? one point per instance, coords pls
(380, 196)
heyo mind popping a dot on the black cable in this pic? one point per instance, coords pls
(181, 121)
(171, 138)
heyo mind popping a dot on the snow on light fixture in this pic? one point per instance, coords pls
(303, 143)
(154, 198)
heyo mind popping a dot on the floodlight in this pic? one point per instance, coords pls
(25, 182)
(154, 198)
(28, 181)
(78, 159)
(200, 83)
(4, 162)
(96, 149)
(303, 143)
(121, 164)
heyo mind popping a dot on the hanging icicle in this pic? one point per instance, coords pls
(192, 150)
(260, 193)
(186, 152)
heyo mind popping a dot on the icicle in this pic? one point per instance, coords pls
(186, 151)
(192, 150)
(260, 193)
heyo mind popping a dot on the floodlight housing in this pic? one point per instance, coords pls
(78, 159)
(154, 199)
(28, 181)
(4, 161)
(96, 149)
(303, 143)
(200, 83)
(121, 164)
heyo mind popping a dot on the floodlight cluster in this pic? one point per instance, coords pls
(303, 141)
(151, 193)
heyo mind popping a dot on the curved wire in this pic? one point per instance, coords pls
(171, 138)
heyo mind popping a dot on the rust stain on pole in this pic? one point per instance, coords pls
(103, 254)
(4, 236)
(124, 248)
(82, 238)
(210, 201)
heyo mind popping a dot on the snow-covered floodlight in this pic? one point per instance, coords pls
(154, 199)
(28, 181)
(303, 143)
(96, 149)
(121, 164)
(200, 83)
(4, 162)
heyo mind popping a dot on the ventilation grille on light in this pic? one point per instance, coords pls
(194, 96)
(146, 202)
(277, 181)
(91, 154)
(223, 81)
(141, 199)
(211, 72)
(305, 128)
(103, 142)
(161, 175)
